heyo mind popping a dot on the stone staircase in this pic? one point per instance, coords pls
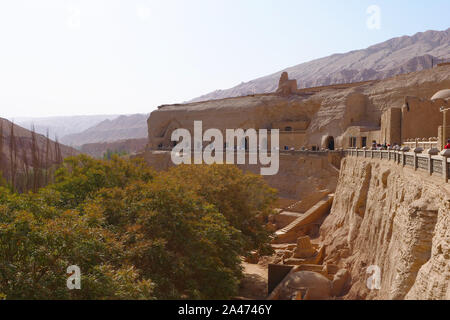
(314, 215)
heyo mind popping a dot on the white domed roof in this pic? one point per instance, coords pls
(443, 94)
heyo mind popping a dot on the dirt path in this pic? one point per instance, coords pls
(255, 269)
(254, 283)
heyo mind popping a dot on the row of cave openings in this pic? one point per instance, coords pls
(329, 143)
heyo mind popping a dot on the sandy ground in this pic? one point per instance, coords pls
(254, 284)
(255, 269)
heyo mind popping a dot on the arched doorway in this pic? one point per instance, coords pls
(330, 143)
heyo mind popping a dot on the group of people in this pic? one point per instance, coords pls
(385, 146)
(377, 146)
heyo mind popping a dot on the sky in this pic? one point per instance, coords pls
(82, 57)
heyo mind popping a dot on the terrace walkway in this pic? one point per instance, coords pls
(435, 165)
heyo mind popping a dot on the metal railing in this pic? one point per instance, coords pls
(435, 165)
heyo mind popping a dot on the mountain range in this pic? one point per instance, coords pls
(26, 150)
(121, 128)
(61, 126)
(392, 57)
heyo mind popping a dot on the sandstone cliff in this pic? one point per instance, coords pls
(396, 219)
(327, 111)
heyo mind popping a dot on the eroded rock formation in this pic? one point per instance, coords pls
(286, 86)
(306, 118)
(394, 218)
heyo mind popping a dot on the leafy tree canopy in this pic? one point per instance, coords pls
(134, 233)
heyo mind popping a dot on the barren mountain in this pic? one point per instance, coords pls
(62, 126)
(121, 128)
(23, 139)
(396, 56)
(27, 151)
(129, 146)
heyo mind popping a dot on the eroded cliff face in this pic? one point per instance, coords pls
(300, 176)
(326, 111)
(393, 218)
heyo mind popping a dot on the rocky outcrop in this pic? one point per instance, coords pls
(285, 85)
(395, 219)
(303, 285)
(311, 285)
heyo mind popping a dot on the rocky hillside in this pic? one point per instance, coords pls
(393, 218)
(396, 56)
(121, 128)
(23, 139)
(21, 152)
(129, 146)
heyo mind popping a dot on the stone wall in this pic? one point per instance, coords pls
(301, 175)
(359, 133)
(395, 218)
(391, 126)
(420, 118)
(292, 139)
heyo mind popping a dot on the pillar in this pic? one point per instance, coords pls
(444, 129)
(445, 155)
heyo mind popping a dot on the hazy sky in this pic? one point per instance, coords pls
(67, 57)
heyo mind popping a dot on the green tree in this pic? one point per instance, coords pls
(135, 233)
(187, 248)
(244, 199)
(82, 176)
(35, 251)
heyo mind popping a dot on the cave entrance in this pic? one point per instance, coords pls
(330, 143)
